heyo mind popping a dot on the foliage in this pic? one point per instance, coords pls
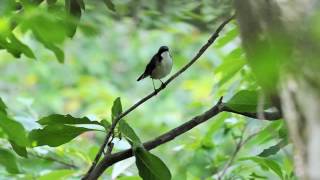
(53, 116)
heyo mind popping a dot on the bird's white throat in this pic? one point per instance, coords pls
(164, 67)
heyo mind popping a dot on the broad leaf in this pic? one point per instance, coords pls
(110, 5)
(55, 135)
(9, 161)
(229, 69)
(129, 133)
(116, 109)
(228, 37)
(65, 119)
(266, 164)
(105, 124)
(245, 101)
(17, 44)
(150, 166)
(14, 130)
(20, 150)
(73, 7)
(57, 174)
(273, 149)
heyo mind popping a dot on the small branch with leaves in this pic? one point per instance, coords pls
(108, 161)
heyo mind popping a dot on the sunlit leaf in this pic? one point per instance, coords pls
(268, 133)
(228, 69)
(110, 5)
(20, 150)
(65, 119)
(14, 130)
(228, 37)
(17, 44)
(57, 174)
(129, 133)
(150, 166)
(266, 163)
(55, 135)
(9, 161)
(246, 101)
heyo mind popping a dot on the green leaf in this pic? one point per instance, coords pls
(9, 161)
(110, 5)
(266, 164)
(17, 44)
(116, 109)
(228, 69)
(73, 7)
(266, 134)
(14, 130)
(3, 107)
(105, 124)
(245, 101)
(129, 133)
(55, 135)
(150, 166)
(57, 174)
(20, 150)
(6, 6)
(273, 149)
(55, 49)
(228, 37)
(65, 119)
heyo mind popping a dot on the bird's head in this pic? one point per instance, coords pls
(163, 49)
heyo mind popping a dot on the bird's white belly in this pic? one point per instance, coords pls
(163, 68)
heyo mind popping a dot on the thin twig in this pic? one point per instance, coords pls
(115, 122)
(239, 145)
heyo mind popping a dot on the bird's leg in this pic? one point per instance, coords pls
(154, 86)
(162, 84)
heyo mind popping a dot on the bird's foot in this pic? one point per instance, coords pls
(163, 85)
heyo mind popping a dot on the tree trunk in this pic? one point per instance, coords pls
(281, 39)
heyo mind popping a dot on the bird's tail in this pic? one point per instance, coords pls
(142, 77)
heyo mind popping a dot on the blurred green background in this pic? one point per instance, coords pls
(102, 62)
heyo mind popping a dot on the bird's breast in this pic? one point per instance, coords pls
(163, 68)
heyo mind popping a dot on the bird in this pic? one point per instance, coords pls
(159, 66)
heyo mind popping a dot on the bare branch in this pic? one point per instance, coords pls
(115, 122)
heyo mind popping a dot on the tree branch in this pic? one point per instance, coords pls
(166, 137)
(271, 116)
(214, 36)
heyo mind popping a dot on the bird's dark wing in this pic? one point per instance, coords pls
(150, 67)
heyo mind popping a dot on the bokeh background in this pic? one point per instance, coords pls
(102, 62)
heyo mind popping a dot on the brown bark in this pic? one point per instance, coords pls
(279, 35)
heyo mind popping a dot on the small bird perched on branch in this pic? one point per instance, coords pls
(159, 66)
